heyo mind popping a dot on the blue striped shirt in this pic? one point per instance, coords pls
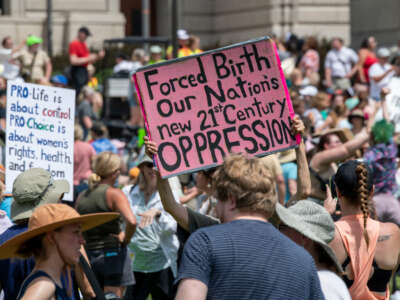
(249, 259)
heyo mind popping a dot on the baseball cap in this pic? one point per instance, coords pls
(383, 52)
(60, 79)
(144, 159)
(182, 34)
(155, 49)
(33, 40)
(85, 30)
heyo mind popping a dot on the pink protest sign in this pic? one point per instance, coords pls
(200, 108)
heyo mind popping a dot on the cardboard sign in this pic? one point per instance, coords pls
(200, 108)
(393, 103)
(40, 131)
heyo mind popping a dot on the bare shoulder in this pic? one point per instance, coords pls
(388, 245)
(41, 288)
(389, 231)
(337, 246)
(114, 192)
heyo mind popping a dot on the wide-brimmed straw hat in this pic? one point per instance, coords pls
(344, 134)
(356, 113)
(50, 217)
(33, 188)
(313, 221)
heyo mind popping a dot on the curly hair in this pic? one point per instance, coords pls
(382, 132)
(249, 181)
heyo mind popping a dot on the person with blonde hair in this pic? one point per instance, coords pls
(106, 244)
(368, 250)
(246, 257)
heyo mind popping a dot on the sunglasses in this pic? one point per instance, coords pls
(148, 165)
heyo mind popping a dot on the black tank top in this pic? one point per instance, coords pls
(60, 293)
(103, 236)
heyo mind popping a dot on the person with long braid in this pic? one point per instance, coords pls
(368, 250)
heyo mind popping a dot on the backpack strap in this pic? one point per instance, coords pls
(92, 278)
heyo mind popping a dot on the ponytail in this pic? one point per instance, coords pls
(362, 175)
(94, 181)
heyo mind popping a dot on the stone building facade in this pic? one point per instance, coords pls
(376, 18)
(216, 22)
(23, 17)
(220, 22)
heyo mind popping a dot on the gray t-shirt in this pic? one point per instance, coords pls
(249, 259)
(85, 110)
(198, 220)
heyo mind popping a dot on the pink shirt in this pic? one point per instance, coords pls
(310, 60)
(83, 153)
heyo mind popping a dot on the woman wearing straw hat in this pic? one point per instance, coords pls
(368, 250)
(54, 238)
(106, 245)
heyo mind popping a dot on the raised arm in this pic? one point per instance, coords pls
(175, 209)
(303, 172)
(341, 152)
(385, 113)
(378, 78)
(191, 194)
(79, 61)
(117, 201)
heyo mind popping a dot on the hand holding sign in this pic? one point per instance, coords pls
(200, 108)
(150, 147)
(298, 127)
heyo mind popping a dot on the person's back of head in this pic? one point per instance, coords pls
(311, 43)
(354, 182)
(99, 130)
(78, 132)
(105, 165)
(249, 182)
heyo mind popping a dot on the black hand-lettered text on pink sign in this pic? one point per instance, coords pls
(200, 108)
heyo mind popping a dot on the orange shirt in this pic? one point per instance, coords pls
(351, 231)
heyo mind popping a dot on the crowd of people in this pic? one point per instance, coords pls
(320, 221)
